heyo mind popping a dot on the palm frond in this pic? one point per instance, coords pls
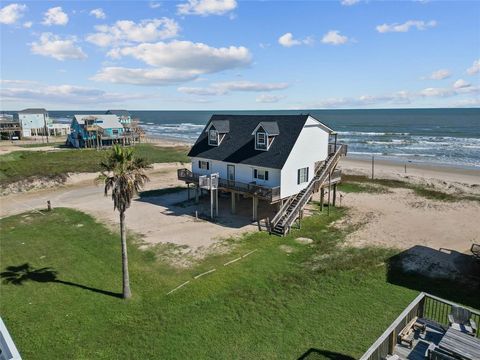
(123, 175)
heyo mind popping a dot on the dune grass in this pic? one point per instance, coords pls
(269, 305)
(22, 165)
(359, 183)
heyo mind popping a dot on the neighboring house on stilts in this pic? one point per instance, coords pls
(280, 159)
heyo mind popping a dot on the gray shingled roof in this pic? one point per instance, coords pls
(238, 145)
(271, 127)
(222, 126)
(33, 111)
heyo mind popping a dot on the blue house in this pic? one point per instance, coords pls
(96, 130)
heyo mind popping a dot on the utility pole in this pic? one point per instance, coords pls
(373, 166)
(45, 126)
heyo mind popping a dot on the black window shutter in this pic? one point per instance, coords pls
(254, 173)
(199, 164)
(208, 165)
(307, 173)
(266, 175)
(298, 177)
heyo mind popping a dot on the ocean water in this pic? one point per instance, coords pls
(444, 136)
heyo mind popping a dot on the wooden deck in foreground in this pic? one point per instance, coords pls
(433, 334)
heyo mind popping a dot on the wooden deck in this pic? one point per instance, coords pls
(433, 334)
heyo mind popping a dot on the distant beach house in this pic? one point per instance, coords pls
(92, 130)
(97, 130)
(33, 122)
(10, 128)
(280, 159)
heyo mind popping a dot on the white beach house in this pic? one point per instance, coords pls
(281, 159)
(33, 121)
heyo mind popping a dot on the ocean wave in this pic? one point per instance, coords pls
(371, 133)
(387, 142)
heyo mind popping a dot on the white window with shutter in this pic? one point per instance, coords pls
(302, 175)
(259, 174)
(213, 137)
(204, 165)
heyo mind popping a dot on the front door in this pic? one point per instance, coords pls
(231, 174)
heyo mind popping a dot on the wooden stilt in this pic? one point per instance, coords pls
(329, 190)
(196, 194)
(216, 202)
(322, 196)
(255, 207)
(233, 198)
(211, 204)
(334, 194)
(188, 191)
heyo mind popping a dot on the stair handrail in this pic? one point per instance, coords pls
(281, 212)
(321, 176)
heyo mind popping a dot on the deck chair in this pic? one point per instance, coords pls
(460, 319)
(439, 354)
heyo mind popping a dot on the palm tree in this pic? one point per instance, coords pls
(123, 174)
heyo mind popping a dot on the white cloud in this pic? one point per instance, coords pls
(461, 84)
(437, 92)
(186, 55)
(199, 91)
(439, 75)
(54, 46)
(55, 16)
(223, 88)
(459, 88)
(349, 2)
(175, 62)
(206, 7)
(162, 76)
(473, 102)
(126, 31)
(287, 40)
(27, 24)
(29, 91)
(333, 37)
(269, 98)
(11, 13)
(98, 13)
(154, 5)
(475, 68)
(396, 27)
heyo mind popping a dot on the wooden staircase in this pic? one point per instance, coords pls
(290, 211)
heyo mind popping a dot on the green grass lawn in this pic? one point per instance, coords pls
(24, 164)
(269, 305)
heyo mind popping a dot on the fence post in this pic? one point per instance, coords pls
(421, 308)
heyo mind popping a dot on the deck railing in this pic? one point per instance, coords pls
(263, 192)
(424, 306)
(332, 148)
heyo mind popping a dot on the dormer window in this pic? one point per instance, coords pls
(213, 137)
(261, 140)
(265, 134)
(216, 131)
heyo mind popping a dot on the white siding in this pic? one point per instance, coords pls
(243, 173)
(32, 121)
(311, 146)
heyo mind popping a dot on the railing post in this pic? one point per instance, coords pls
(421, 308)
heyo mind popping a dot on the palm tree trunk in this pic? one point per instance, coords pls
(126, 279)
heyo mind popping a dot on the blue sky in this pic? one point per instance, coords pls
(231, 54)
